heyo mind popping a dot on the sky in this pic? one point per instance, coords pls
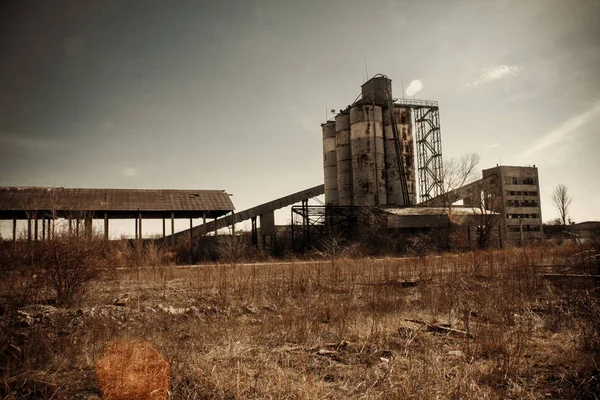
(230, 94)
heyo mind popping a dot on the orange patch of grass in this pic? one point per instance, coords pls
(132, 369)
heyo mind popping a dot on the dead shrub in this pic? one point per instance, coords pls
(69, 264)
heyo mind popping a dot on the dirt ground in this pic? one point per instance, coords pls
(477, 325)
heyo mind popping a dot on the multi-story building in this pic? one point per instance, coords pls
(517, 201)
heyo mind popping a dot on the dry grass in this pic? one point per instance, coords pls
(334, 330)
(131, 369)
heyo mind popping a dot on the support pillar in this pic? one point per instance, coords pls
(204, 223)
(216, 230)
(14, 230)
(105, 226)
(292, 220)
(50, 228)
(172, 228)
(76, 227)
(70, 226)
(191, 241)
(232, 224)
(140, 224)
(28, 229)
(255, 232)
(136, 228)
(35, 228)
(43, 229)
(164, 232)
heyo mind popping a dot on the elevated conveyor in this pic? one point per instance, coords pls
(250, 213)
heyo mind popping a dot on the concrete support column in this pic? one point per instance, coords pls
(76, 227)
(70, 226)
(204, 222)
(136, 228)
(255, 232)
(29, 229)
(43, 229)
(216, 230)
(35, 228)
(164, 232)
(140, 224)
(232, 224)
(105, 226)
(191, 241)
(14, 230)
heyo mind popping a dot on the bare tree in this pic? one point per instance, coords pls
(486, 202)
(562, 202)
(479, 194)
(459, 172)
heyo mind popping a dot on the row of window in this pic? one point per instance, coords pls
(513, 180)
(513, 193)
(526, 228)
(521, 203)
(519, 216)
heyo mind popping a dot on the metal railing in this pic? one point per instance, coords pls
(415, 102)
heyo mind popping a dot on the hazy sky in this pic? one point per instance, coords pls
(230, 94)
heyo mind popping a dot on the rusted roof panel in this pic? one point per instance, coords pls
(64, 199)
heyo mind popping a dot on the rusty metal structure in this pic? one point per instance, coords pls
(375, 150)
(426, 116)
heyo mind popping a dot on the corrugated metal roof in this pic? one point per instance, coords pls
(51, 198)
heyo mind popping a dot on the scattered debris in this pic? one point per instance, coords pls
(31, 315)
(122, 301)
(249, 309)
(400, 284)
(442, 329)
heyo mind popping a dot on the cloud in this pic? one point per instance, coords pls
(565, 131)
(492, 146)
(414, 87)
(494, 73)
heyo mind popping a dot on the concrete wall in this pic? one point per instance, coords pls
(518, 188)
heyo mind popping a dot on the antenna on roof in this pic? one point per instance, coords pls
(402, 83)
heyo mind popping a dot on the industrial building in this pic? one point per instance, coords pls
(41, 207)
(519, 202)
(368, 149)
(382, 163)
(369, 161)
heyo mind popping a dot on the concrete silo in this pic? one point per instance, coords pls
(330, 163)
(394, 185)
(408, 153)
(344, 159)
(367, 147)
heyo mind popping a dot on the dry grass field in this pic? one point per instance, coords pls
(477, 325)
